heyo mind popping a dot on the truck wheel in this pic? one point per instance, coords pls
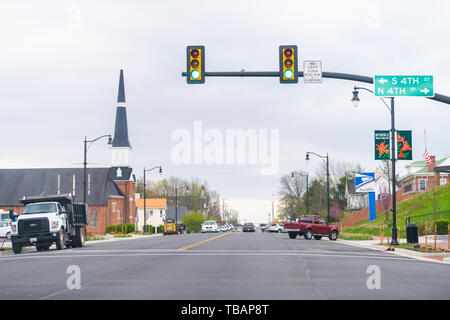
(80, 237)
(8, 236)
(17, 248)
(317, 237)
(60, 241)
(333, 236)
(292, 235)
(308, 234)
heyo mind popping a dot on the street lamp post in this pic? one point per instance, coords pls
(86, 141)
(145, 205)
(328, 181)
(355, 101)
(307, 188)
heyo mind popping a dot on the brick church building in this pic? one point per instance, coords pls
(110, 191)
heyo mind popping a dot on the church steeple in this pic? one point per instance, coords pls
(121, 146)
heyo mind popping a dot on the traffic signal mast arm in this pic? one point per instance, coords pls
(332, 75)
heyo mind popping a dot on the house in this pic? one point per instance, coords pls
(420, 176)
(110, 191)
(358, 201)
(155, 212)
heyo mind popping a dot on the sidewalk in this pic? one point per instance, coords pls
(6, 244)
(440, 257)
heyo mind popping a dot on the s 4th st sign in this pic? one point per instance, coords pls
(403, 86)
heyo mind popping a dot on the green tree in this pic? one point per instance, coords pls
(193, 221)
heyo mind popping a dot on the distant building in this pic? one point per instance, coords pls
(156, 212)
(110, 191)
(421, 177)
(171, 212)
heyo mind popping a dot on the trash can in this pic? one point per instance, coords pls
(412, 233)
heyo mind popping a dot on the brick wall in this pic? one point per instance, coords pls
(129, 189)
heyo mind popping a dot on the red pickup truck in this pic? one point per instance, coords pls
(311, 226)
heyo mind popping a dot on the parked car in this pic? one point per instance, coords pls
(275, 227)
(4, 215)
(5, 229)
(281, 225)
(210, 226)
(311, 226)
(263, 226)
(248, 227)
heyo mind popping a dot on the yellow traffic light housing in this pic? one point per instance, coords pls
(195, 64)
(288, 64)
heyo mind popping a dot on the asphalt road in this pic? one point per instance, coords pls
(220, 266)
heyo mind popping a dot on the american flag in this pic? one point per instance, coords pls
(427, 157)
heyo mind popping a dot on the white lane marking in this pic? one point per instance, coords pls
(211, 254)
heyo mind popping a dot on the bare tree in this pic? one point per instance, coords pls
(291, 191)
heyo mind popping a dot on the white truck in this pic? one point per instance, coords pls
(47, 220)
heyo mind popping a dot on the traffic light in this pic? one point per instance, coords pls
(195, 64)
(288, 64)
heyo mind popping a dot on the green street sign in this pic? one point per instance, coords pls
(403, 86)
(382, 146)
(404, 145)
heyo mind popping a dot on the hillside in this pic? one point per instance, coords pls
(418, 205)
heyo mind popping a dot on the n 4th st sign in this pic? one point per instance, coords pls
(403, 86)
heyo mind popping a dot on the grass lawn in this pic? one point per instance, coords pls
(421, 204)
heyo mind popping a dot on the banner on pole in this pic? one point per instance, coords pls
(382, 145)
(404, 145)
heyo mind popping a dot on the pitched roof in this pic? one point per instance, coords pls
(152, 203)
(426, 169)
(121, 94)
(121, 127)
(17, 183)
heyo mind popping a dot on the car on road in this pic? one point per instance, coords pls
(5, 229)
(275, 227)
(281, 225)
(263, 226)
(210, 226)
(311, 226)
(248, 227)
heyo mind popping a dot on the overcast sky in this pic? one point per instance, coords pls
(60, 63)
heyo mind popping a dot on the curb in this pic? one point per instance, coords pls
(124, 238)
(400, 252)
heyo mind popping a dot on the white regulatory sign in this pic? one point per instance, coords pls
(312, 71)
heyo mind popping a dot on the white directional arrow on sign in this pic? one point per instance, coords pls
(382, 81)
(425, 90)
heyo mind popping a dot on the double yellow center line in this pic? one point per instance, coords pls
(203, 241)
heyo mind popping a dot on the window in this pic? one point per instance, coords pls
(160, 213)
(151, 212)
(442, 181)
(323, 222)
(40, 208)
(94, 217)
(422, 184)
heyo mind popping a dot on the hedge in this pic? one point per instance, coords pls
(151, 229)
(124, 228)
